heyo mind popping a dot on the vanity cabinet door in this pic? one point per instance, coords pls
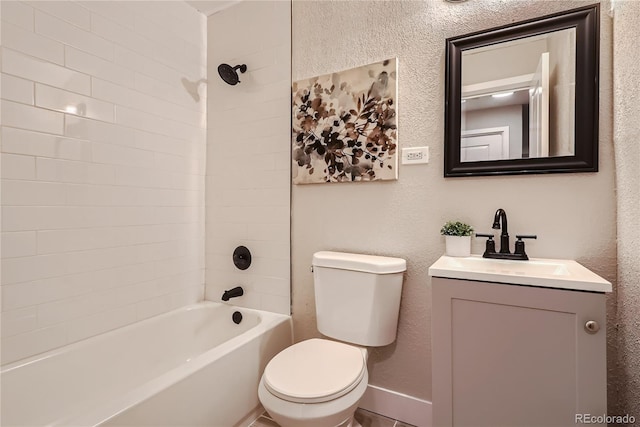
(509, 355)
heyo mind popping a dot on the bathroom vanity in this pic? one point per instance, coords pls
(517, 343)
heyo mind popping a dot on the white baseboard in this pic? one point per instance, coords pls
(396, 405)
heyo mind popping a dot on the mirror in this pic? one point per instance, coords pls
(523, 98)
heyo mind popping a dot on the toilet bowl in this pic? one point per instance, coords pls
(315, 383)
(319, 382)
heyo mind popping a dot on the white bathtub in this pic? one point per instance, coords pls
(191, 367)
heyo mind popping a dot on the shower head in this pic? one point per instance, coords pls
(229, 73)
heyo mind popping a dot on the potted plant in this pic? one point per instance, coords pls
(458, 238)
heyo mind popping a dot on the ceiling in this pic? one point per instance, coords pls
(209, 7)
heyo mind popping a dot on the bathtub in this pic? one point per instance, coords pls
(191, 367)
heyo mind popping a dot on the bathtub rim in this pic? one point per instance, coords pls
(200, 305)
(98, 415)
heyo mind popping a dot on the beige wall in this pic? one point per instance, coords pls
(626, 371)
(574, 215)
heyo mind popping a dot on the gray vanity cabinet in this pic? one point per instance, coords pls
(511, 355)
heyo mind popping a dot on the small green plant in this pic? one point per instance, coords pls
(456, 228)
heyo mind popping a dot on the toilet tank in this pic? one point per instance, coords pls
(358, 296)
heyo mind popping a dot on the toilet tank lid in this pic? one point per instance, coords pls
(359, 262)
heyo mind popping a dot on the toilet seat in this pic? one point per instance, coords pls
(315, 371)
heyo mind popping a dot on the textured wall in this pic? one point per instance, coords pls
(572, 214)
(626, 131)
(248, 154)
(102, 168)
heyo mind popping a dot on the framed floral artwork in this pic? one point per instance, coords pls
(344, 125)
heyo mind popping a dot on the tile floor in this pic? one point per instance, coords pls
(366, 418)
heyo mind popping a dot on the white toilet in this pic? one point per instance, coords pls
(318, 382)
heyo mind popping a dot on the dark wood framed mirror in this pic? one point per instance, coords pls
(523, 98)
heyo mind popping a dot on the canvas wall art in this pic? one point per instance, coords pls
(344, 125)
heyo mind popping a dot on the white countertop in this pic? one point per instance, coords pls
(546, 273)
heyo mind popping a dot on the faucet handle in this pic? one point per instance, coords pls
(490, 236)
(526, 236)
(520, 244)
(490, 245)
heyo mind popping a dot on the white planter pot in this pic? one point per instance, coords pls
(458, 245)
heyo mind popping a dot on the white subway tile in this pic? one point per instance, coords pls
(21, 193)
(18, 244)
(141, 120)
(53, 241)
(170, 162)
(73, 103)
(124, 200)
(117, 12)
(98, 67)
(18, 167)
(18, 321)
(182, 94)
(154, 306)
(185, 59)
(31, 118)
(163, 144)
(44, 72)
(16, 89)
(96, 131)
(96, 195)
(120, 155)
(179, 20)
(188, 295)
(26, 269)
(33, 342)
(118, 34)
(30, 43)
(36, 292)
(145, 65)
(18, 218)
(149, 104)
(18, 13)
(137, 177)
(21, 141)
(158, 32)
(101, 322)
(65, 10)
(272, 232)
(55, 170)
(268, 267)
(275, 303)
(76, 307)
(66, 33)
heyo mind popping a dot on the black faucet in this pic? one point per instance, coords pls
(232, 293)
(501, 215)
(490, 251)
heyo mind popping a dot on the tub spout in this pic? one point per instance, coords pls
(232, 293)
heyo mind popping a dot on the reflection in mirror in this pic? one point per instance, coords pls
(524, 107)
(523, 98)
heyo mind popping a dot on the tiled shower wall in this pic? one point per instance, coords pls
(103, 148)
(248, 154)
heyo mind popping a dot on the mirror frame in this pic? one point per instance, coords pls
(586, 21)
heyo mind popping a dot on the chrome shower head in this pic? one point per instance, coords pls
(229, 73)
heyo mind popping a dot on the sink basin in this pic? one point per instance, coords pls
(552, 273)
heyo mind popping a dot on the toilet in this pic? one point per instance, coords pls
(319, 382)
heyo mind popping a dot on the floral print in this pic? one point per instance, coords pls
(344, 126)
